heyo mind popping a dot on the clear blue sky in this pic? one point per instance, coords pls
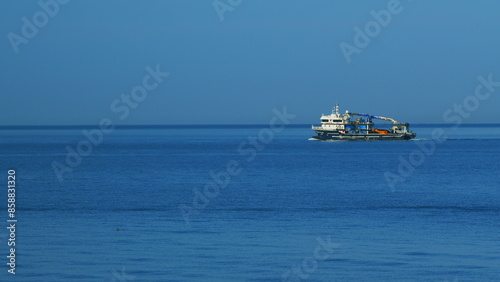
(264, 54)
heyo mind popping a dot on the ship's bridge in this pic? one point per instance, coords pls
(334, 121)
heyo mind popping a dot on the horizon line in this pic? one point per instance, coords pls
(124, 126)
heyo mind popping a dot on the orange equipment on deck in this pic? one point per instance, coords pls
(381, 131)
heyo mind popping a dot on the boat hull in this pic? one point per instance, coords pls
(336, 135)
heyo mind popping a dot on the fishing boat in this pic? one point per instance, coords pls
(356, 126)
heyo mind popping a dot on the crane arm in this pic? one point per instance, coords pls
(376, 117)
(386, 118)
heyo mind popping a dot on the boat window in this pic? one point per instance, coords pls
(324, 120)
(337, 120)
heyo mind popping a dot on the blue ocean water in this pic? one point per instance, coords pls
(293, 209)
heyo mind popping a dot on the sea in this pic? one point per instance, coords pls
(250, 203)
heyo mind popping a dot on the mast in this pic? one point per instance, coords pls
(336, 109)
